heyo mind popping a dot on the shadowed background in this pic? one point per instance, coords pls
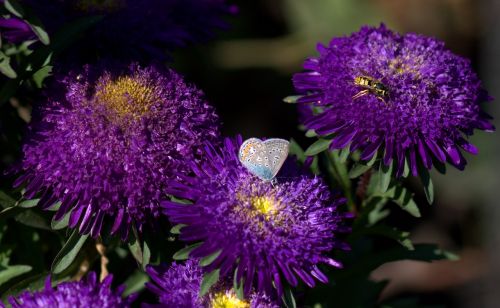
(247, 72)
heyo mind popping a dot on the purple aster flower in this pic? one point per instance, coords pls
(132, 30)
(15, 30)
(263, 231)
(405, 98)
(84, 293)
(179, 286)
(107, 147)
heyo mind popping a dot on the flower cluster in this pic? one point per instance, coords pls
(85, 293)
(405, 97)
(265, 232)
(107, 147)
(179, 286)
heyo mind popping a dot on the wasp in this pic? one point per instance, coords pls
(371, 85)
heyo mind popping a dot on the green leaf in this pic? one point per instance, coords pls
(40, 33)
(146, 255)
(54, 207)
(62, 223)
(68, 252)
(181, 201)
(33, 219)
(136, 250)
(6, 201)
(40, 75)
(372, 160)
(357, 170)
(406, 169)
(404, 198)
(383, 177)
(208, 281)
(183, 254)
(409, 206)
(292, 99)
(344, 154)
(288, 298)
(428, 185)
(296, 149)
(5, 67)
(238, 286)
(317, 147)
(378, 213)
(12, 272)
(135, 283)
(315, 166)
(210, 258)
(311, 133)
(339, 169)
(14, 8)
(177, 229)
(29, 203)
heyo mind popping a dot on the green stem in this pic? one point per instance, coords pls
(339, 171)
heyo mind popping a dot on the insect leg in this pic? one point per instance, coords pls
(360, 93)
(382, 99)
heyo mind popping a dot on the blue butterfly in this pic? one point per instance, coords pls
(264, 158)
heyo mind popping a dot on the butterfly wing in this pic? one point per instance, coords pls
(263, 158)
(277, 152)
(253, 156)
(249, 150)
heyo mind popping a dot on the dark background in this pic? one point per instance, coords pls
(247, 72)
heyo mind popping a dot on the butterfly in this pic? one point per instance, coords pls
(264, 158)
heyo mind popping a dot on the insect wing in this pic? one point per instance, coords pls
(263, 158)
(249, 150)
(253, 156)
(277, 151)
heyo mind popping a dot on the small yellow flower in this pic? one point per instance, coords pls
(228, 300)
(264, 205)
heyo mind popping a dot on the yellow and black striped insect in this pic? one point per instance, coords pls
(371, 85)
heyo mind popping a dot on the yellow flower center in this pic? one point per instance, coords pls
(228, 300)
(127, 96)
(264, 205)
(103, 6)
